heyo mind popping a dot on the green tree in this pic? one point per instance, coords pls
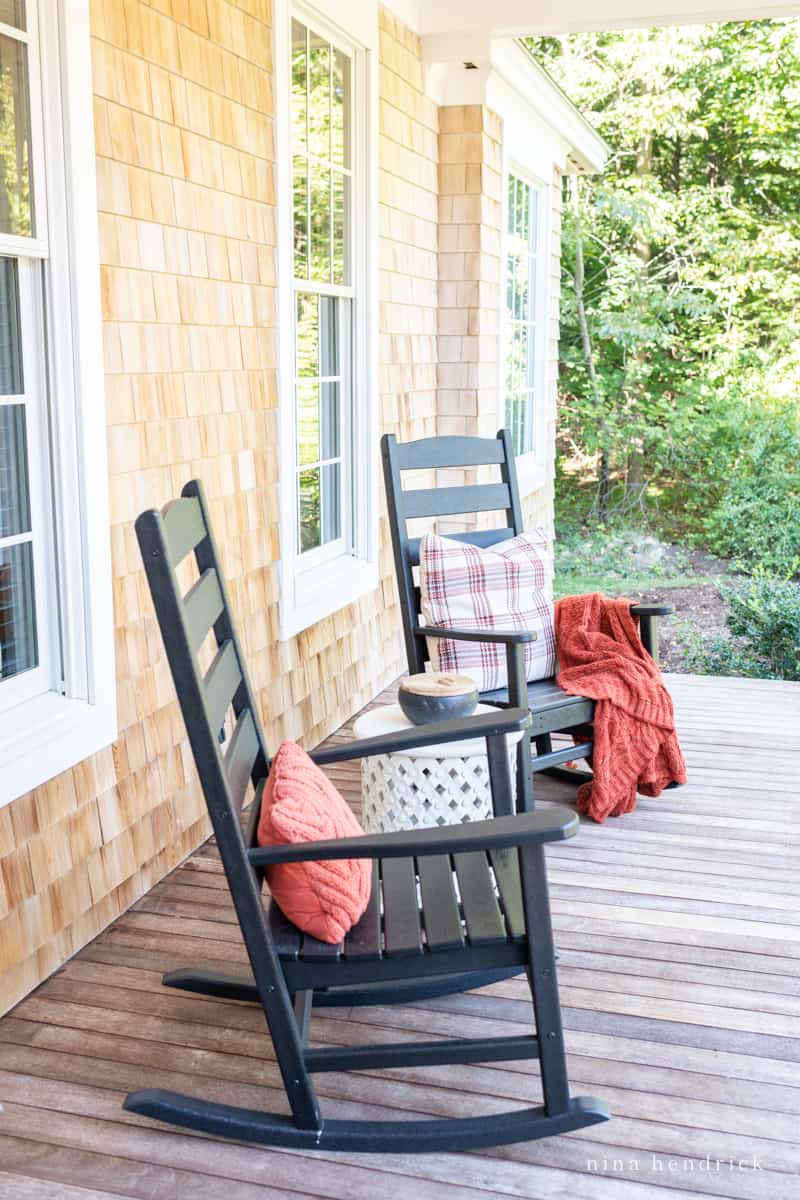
(681, 300)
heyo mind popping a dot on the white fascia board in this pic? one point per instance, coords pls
(528, 140)
(518, 18)
(506, 77)
(520, 70)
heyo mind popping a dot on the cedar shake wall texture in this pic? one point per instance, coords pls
(470, 214)
(185, 147)
(408, 153)
(470, 191)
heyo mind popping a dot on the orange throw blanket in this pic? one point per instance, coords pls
(635, 747)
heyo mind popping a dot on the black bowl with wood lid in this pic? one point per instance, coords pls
(437, 696)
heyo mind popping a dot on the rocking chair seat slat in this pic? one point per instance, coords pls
(401, 918)
(485, 925)
(545, 692)
(364, 939)
(552, 709)
(442, 918)
(287, 937)
(506, 872)
(312, 950)
(416, 895)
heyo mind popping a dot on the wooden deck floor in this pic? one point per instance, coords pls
(679, 933)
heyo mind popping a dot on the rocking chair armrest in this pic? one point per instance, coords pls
(648, 615)
(652, 610)
(508, 637)
(530, 828)
(501, 721)
(514, 641)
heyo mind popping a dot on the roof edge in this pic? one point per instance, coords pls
(512, 59)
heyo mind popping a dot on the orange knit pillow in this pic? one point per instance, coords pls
(300, 804)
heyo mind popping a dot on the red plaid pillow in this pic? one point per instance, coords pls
(502, 587)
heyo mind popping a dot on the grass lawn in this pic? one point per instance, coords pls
(635, 564)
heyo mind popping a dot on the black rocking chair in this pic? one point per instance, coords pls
(552, 709)
(447, 903)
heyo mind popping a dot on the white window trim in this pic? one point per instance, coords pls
(531, 466)
(46, 735)
(308, 592)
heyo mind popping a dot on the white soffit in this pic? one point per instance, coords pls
(499, 72)
(516, 18)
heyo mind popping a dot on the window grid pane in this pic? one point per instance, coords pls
(15, 506)
(12, 12)
(16, 199)
(18, 645)
(11, 380)
(521, 314)
(322, 157)
(319, 385)
(321, 148)
(18, 634)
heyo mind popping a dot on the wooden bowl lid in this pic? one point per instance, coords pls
(439, 683)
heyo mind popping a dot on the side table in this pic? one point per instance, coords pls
(432, 785)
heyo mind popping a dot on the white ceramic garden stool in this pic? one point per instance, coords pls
(444, 784)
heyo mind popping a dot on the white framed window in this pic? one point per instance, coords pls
(326, 284)
(324, 290)
(57, 691)
(524, 322)
(27, 666)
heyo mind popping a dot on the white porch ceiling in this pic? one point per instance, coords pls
(516, 17)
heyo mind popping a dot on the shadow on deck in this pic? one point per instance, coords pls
(679, 933)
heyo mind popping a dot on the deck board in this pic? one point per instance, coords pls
(679, 935)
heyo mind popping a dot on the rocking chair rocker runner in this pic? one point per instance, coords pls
(483, 888)
(552, 709)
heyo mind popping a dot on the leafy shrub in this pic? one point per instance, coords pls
(757, 519)
(764, 624)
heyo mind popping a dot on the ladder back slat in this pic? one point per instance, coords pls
(202, 606)
(221, 684)
(443, 502)
(240, 756)
(184, 527)
(477, 537)
(449, 452)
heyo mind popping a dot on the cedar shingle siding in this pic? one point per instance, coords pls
(186, 195)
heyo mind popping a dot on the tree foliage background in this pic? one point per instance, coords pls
(680, 373)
